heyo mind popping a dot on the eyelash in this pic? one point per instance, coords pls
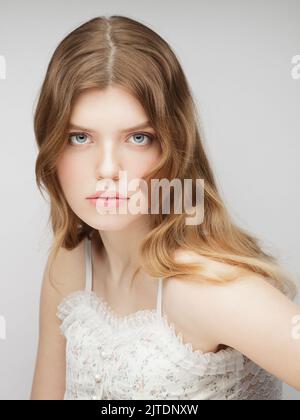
(151, 137)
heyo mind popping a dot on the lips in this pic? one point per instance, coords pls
(108, 195)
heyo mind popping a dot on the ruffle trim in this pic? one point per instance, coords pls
(197, 362)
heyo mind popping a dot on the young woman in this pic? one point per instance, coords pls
(142, 305)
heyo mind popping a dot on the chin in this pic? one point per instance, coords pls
(112, 222)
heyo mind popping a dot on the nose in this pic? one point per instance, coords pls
(108, 162)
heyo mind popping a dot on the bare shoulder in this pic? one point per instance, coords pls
(244, 285)
(206, 309)
(65, 276)
(196, 289)
(67, 272)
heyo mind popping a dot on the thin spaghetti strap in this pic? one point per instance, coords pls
(88, 265)
(159, 297)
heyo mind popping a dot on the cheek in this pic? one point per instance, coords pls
(145, 163)
(70, 172)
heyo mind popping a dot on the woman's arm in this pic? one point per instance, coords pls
(255, 318)
(261, 323)
(49, 376)
(66, 276)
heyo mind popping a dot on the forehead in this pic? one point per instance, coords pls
(113, 106)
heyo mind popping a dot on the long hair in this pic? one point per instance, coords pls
(120, 51)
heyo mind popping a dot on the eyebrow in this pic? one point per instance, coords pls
(145, 124)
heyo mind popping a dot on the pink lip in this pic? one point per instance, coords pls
(106, 194)
(107, 203)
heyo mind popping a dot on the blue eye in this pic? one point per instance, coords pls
(79, 136)
(140, 137)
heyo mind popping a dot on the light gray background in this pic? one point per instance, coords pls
(237, 58)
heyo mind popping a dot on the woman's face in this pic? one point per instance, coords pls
(101, 142)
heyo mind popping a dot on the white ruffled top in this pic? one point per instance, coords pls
(139, 356)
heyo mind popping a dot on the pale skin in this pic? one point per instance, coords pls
(249, 314)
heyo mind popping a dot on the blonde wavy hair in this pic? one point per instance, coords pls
(120, 51)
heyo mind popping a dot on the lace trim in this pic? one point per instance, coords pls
(198, 362)
(259, 384)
